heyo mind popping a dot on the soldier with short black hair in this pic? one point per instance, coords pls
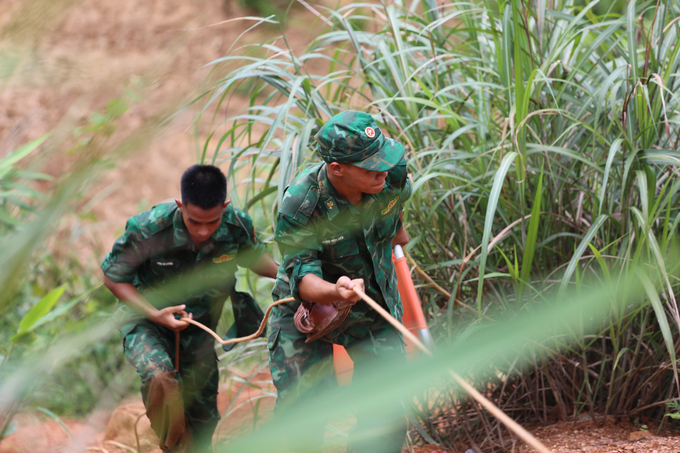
(179, 260)
(336, 227)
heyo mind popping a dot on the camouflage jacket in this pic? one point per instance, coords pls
(157, 255)
(321, 233)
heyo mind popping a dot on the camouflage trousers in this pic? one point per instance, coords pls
(303, 371)
(181, 405)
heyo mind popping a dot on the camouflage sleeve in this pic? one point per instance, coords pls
(398, 178)
(121, 264)
(251, 247)
(299, 246)
(407, 191)
(404, 197)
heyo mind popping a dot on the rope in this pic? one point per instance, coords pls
(241, 339)
(512, 425)
(481, 399)
(176, 351)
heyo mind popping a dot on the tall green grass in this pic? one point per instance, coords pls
(542, 139)
(475, 354)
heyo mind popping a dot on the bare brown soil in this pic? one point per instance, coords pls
(86, 52)
(115, 433)
(606, 437)
(119, 431)
(92, 51)
(591, 437)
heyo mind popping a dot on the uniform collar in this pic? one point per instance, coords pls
(181, 235)
(229, 218)
(334, 202)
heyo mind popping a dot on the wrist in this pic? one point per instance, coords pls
(339, 295)
(337, 292)
(152, 315)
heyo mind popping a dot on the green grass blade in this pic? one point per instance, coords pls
(613, 150)
(40, 309)
(488, 222)
(532, 236)
(592, 231)
(662, 320)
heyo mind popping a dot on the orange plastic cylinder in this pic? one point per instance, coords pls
(343, 365)
(413, 318)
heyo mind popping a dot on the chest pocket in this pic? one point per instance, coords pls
(387, 226)
(225, 257)
(339, 248)
(163, 269)
(216, 272)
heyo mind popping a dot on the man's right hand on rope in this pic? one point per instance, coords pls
(166, 317)
(317, 290)
(344, 287)
(130, 296)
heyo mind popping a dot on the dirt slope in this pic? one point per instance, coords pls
(90, 52)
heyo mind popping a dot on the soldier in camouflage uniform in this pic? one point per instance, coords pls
(178, 260)
(336, 227)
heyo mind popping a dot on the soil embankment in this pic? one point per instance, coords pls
(119, 431)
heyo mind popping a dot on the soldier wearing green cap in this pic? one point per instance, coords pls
(336, 228)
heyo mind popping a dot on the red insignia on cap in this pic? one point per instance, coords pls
(370, 132)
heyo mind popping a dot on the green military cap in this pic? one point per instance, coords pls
(353, 137)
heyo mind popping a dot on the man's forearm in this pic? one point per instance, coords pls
(265, 266)
(315, 289)
(130, 296)
(401, 238)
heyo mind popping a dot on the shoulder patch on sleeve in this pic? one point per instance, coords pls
(302, 195)
(154, 220)
(308, 204)
(299, 204)
(397, 175)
